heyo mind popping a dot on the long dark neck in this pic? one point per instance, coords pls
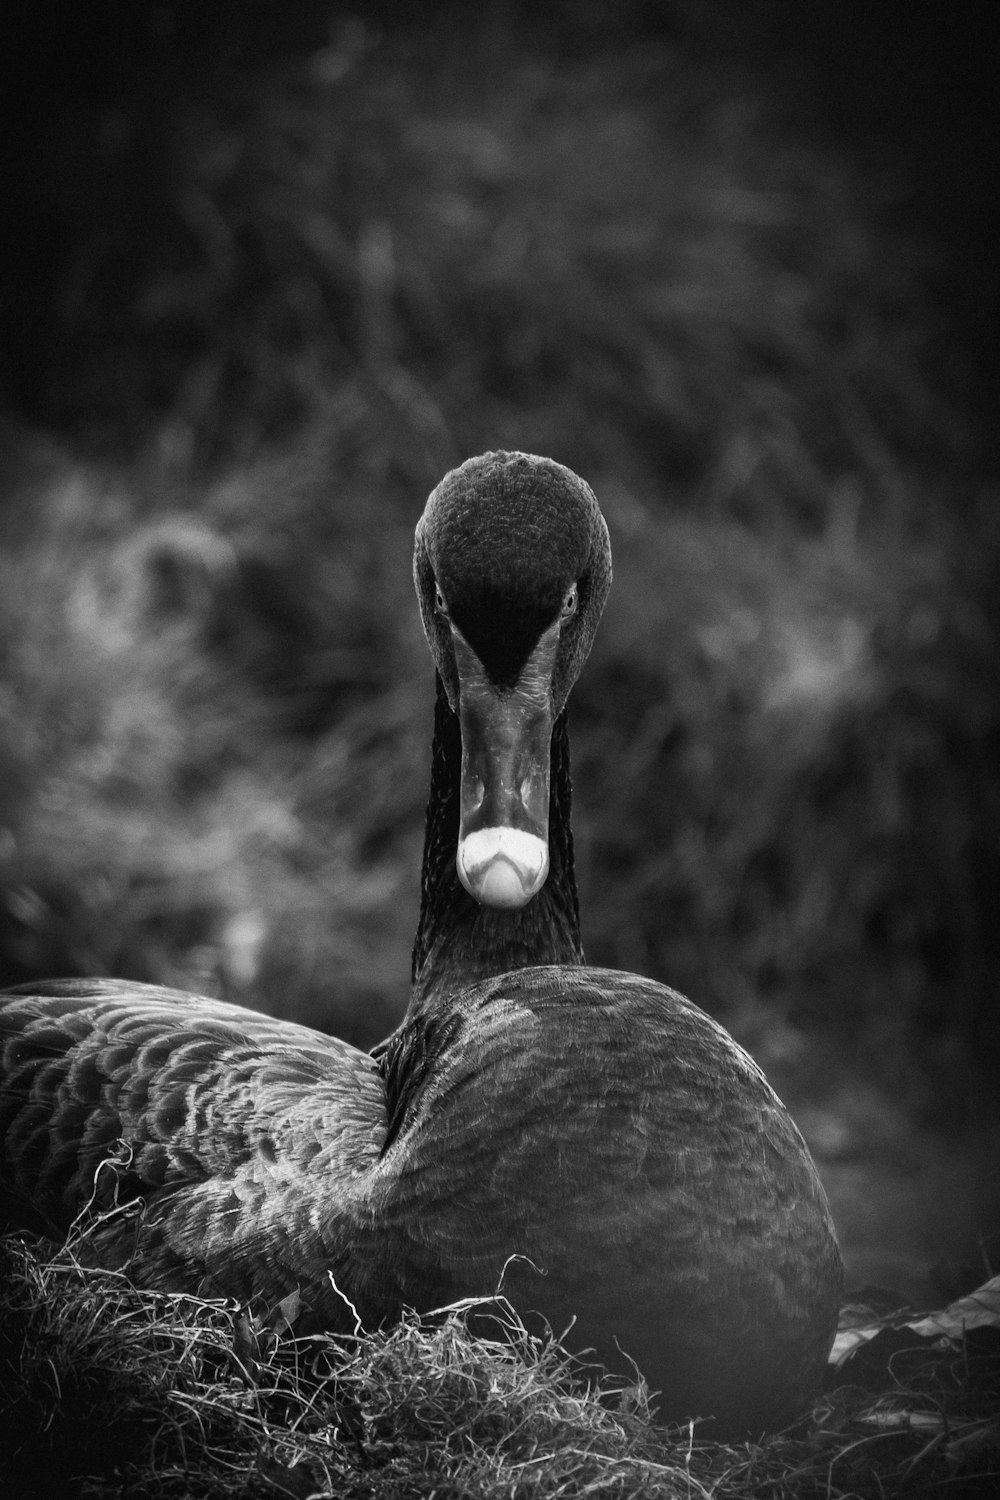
(458, 941)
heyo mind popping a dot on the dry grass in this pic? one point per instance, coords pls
(108, 1391)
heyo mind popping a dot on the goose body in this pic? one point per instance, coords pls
(587, 1139)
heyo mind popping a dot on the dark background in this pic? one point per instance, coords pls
(269, 272)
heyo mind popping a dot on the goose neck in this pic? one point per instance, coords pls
(459, 941)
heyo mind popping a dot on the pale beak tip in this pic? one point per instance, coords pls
(502, 867)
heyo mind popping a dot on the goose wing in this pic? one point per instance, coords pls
(244, 1136)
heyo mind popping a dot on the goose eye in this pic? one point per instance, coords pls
(439, 603)
(570, 602)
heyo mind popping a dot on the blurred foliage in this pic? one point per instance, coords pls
(296, 291)
(456, 227)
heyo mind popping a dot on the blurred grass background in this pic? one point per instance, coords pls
(271, 273)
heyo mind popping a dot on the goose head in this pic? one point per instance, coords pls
(512, 567)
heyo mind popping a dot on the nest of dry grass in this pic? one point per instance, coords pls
(108, 1390)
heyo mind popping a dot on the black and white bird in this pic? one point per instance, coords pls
(586, 1137)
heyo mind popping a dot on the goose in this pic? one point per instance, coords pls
(586, 1140)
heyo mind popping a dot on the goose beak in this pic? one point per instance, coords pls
(503, 842)
(503, 867)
